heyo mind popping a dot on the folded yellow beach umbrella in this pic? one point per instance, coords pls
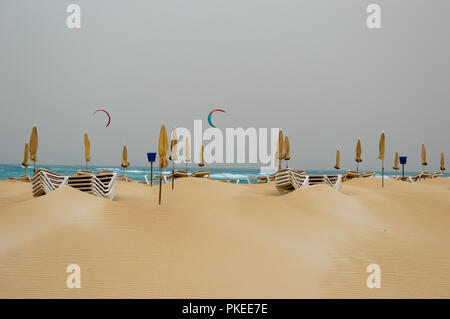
(163, 146)
(125, 162)
(173, 146)
(280, 147)
(381, 148)
(173, 153)
(187, 152)
(358, 158)
(442, 162)
(87, 149)
(287, 149)
(277, 157)
(202, 157)
(424, 157)
(33, 146)
(396, 163)
(25, 158)
(338, 158)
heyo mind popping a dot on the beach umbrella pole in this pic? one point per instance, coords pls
(34, 167)
(160, 184)
(151, 174)
(173, 174)
(382, 173)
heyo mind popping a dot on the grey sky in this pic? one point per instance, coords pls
(310, 67)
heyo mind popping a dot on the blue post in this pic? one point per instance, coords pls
(151, 157)
(403, 160)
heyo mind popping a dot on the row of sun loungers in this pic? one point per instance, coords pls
(101, 184)
(352, 174)
(262, 179)
(419, 177)
(177, 174)
(287, 180)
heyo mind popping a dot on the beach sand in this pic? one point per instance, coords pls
(210, 239)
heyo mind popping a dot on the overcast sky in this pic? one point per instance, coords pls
(311, 67)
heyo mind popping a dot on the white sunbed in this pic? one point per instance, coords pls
(350, 175)
(201, 174)
(368, 174)
(156, 178)
(437, 174)
(418, 177)
(101, 184)
(287, 180)
(180, 173)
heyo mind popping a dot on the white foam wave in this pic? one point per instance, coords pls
(228, 176)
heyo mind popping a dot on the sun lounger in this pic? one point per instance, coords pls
(330, 180)
(176, 174)
(415, 178)
(156, 178)
(420, 176)
(44, 181)
(437, 174)
(180, 173)
(272, 177)
(101, 184)
(368, 174)
(287, 180)
(349, 175)
(201, 174)
(258, 179)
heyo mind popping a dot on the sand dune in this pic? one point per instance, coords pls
(212, 239)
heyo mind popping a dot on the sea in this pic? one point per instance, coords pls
(138, 173)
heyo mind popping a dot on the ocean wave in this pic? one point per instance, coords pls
(137, 171)
(229, 176)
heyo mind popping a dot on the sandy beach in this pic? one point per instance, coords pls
(217, 240)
